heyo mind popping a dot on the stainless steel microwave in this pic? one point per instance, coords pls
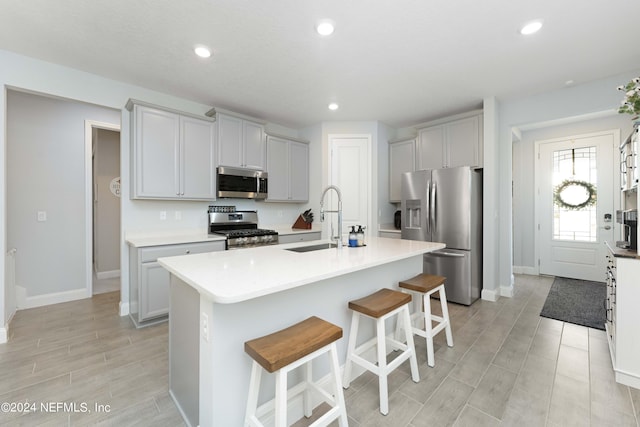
(241, 183)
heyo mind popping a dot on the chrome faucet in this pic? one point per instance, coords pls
(339, 212)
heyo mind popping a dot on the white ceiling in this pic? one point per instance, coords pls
(400, 62)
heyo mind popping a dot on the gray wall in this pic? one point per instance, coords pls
(46, 172)
(549, 109)
(106, 212)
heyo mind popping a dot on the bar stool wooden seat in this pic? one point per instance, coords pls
(421, 287)
(286, 350)
(380, 306)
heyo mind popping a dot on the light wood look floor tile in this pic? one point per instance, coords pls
(493, 392)
(508, 367)
(471, 417)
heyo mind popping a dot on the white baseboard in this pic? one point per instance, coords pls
(4, 334)
(124, 308)
(24, 301)
(490, 295)
(506, 291)
(627, 378)
(519, 269)
(107, 274)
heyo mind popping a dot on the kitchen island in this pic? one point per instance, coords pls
(220, 300)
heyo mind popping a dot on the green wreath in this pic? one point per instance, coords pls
(588, 187)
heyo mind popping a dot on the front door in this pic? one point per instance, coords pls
(575, 202)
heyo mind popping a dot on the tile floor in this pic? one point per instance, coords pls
(508, 367)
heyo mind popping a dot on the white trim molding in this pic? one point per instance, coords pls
(89, 125)
(24, 301)
(4, 334)
(101, 275)
(124, 308)
(490, 295)
(523, 269)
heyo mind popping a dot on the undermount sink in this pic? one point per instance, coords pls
(313, 247)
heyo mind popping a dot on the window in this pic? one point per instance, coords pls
(574, 182)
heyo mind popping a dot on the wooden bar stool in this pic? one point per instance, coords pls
(380, 306)
(286, 350)
(421, 287)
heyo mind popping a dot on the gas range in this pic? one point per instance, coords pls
(239, 227)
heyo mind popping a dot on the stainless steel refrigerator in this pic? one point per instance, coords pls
(445, 205)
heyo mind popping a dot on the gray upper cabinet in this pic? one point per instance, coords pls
(241, 142)
(431, 148)
(451, 144)
(402, 155)
(288, 168)
(173, 155)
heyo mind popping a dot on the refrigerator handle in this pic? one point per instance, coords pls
(432, 207)
(427, 209)
(445, 254)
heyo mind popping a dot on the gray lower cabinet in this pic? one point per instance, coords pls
(149, 281)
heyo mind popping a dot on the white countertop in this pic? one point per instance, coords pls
(159, 238)
(238, 275)
(176, 237)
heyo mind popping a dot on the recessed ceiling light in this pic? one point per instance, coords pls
(202, 51)
(333, 106)
(325, 27)
(531, 27)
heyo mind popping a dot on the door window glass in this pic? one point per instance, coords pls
(574, 189)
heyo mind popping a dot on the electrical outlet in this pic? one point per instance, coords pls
(42, 216)
(205, 327)
(279, 214)
(178, 215)
(163, 215)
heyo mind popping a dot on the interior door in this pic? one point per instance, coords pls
(350, 171)
(575, 205)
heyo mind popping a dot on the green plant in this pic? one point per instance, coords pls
(631, 101)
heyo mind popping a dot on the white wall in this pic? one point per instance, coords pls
(524, 227)
(106, 167)
(46, 173)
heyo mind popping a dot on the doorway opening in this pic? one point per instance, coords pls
(575, 204)
(103, 211)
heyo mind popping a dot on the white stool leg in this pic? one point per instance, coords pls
(306, 396)
(281, 398)
(428, 329)
(445, 316)
(413, 360)
(339, 395)
(382, 366)
(254, 389)
(353, 336)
